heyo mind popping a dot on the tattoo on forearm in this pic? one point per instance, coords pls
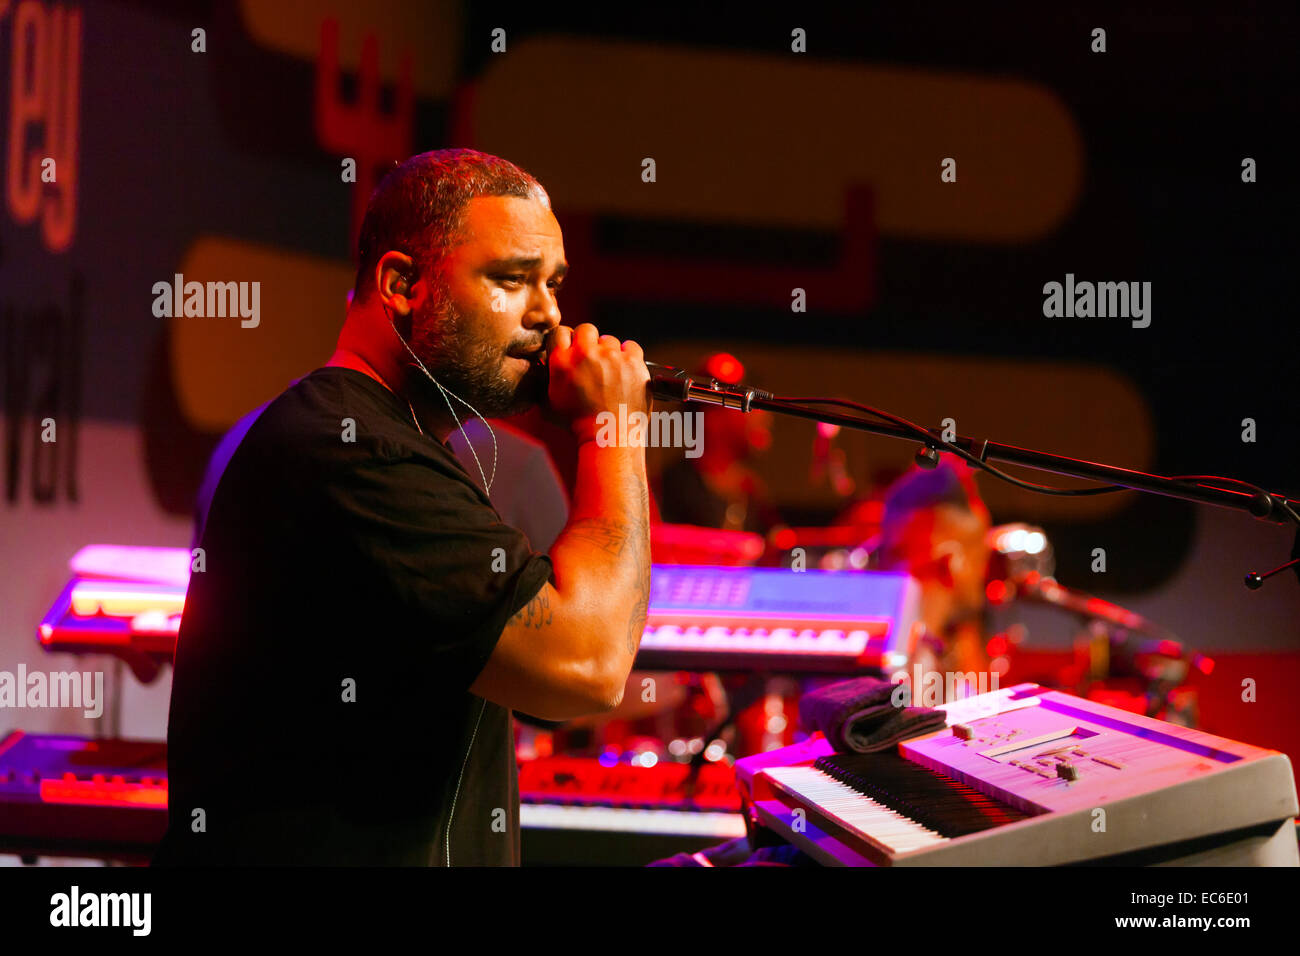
(537, 613)
(636, 626)
(608, 535)
(641, 554)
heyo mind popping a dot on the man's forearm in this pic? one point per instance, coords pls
(602, 558)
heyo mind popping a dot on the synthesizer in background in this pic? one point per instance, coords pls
(730, 618)
(582, 811)
(1024, 776)
(120, 598)
(74, 796)
(107, 799)
(701, 617)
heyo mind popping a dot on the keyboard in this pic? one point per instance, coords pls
(707, 618)
(581, 793)
(581, 811)
(76, 796)
(724, 618)
(1025, 776)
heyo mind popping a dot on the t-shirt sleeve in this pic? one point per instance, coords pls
(552, 503)
(446, 573)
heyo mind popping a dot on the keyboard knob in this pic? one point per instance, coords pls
(1067, 771)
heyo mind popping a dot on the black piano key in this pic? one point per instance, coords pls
(932, 799)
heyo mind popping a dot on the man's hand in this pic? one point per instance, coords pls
(568, 652)
(592, 373)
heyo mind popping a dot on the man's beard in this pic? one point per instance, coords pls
(468, 365)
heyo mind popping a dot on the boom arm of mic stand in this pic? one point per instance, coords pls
(1263, 505)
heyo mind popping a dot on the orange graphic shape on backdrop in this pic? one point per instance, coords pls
(430, 29)
(746, 138)
(220, 369)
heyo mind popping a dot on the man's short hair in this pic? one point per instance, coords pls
(419, 207)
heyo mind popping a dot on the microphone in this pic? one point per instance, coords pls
(1158, 641)
(1045, 590)
(676, 384)
(679, 385)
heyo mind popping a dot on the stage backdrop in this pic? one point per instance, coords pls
(866, 204)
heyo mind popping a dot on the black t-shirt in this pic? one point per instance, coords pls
(356, 581)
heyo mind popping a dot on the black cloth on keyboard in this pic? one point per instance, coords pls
(860, 715)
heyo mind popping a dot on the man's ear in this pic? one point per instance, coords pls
(943, 570)
(947, 558)
(395, 277)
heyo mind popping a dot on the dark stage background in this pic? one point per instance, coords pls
(775, 170)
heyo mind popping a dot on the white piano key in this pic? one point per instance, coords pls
(706, 637)
(891, 829)
(782, 638)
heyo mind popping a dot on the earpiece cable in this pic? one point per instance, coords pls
(445, 392)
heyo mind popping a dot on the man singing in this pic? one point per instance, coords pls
(348, 661)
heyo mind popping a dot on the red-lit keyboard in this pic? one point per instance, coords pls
(577, 810)
(74, 796)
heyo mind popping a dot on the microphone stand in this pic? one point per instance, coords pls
(676, 385)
